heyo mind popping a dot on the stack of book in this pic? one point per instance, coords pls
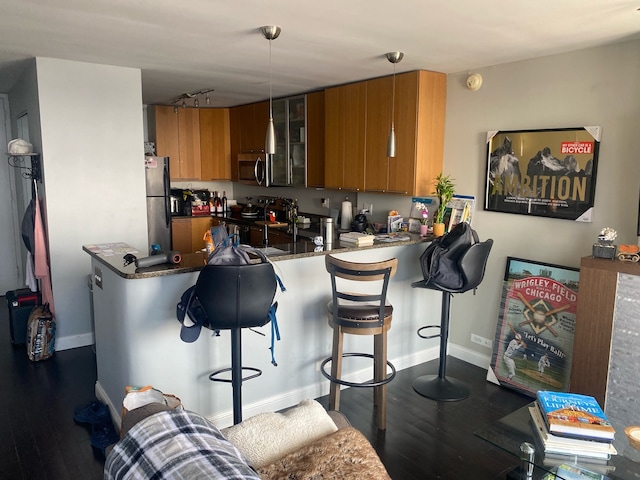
(356, 238)
(572, 424)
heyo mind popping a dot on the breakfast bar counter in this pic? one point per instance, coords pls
(138, 335)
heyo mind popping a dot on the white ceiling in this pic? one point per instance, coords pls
(199, 44)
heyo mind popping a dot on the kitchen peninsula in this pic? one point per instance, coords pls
(138, 336)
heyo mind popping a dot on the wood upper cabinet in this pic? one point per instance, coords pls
(176, 133)
(315, 139)
(345, 123)
(379, 98)
(419, 115)
(248, 128)
(215, 145)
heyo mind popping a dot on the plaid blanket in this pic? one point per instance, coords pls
(176, 444)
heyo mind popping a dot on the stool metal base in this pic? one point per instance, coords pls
(441, 389)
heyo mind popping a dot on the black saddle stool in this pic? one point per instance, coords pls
(360, 314)
(472, 264)
(236, 297)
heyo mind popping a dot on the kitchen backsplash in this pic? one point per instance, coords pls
(309, 199)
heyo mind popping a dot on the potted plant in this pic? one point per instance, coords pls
(424, 221)
(444, 191)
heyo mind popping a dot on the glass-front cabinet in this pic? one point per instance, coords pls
(288, 164)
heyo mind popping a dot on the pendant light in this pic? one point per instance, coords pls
(270, 32)
(393, 57)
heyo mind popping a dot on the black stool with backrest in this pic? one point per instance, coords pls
(472, 264)
(236, 297)
(360, 313)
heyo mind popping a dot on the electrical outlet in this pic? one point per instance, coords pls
(325, 202)
(485, 342)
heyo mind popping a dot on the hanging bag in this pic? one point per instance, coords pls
(41, 333)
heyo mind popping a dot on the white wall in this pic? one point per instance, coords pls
(92, 145)
(599, 86)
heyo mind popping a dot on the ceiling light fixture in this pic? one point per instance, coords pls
(270, 32)
(195, 96)
(393, 57)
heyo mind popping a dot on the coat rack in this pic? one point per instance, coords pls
(18, 161)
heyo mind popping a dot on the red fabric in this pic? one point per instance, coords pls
(41, 263)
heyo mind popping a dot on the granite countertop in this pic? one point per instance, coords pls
(111, 255)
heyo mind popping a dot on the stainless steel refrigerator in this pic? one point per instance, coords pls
(158, 201)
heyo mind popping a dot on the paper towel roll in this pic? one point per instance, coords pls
(346, 215)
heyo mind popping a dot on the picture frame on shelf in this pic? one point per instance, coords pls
(533, 344)
(546, 172)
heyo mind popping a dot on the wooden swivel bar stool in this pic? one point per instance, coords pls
(360, 314)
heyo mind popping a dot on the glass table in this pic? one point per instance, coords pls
(511, 431)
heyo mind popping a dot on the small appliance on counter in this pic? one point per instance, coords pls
(176, 200)
(359, 223)
(196, 202)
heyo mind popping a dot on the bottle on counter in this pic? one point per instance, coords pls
(217, 204)
(225, 206)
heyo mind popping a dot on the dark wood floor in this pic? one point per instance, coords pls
(424, 439)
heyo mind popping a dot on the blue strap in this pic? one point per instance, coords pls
(275, 332)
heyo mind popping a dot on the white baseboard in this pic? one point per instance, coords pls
(104, 398)
(74, 341)
(469, 356)
(293, 397)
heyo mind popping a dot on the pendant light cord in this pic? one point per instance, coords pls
(393, 98)
(270, 85)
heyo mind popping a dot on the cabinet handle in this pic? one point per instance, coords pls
(397, 192)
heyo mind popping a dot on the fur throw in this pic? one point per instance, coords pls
(345, 454)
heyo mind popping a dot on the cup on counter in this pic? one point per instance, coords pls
(318, 240)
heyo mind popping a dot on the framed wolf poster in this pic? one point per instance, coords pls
(533, 345)
(548, 173)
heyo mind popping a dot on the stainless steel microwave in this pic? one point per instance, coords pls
(252, 168)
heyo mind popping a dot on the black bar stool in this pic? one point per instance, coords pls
(360, 314)
(236, 297)
(472, 264)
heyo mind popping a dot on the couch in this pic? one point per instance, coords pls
(303, 442)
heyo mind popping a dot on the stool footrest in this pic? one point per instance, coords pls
(213, 376)
(429, 336)
(369, 383)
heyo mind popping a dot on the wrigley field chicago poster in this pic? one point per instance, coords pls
(533, 345)
(550, 173)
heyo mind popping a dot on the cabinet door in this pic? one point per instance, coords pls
(189, 139)
(355, 123)
(164, 124)
(379, 99)
(429, 133)
(181, 235)
(402, 169)
(315, 139)
(255, 236)
(199, 226)
(277, 237)
(345, 122)
(215, 147)
(258, 131)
